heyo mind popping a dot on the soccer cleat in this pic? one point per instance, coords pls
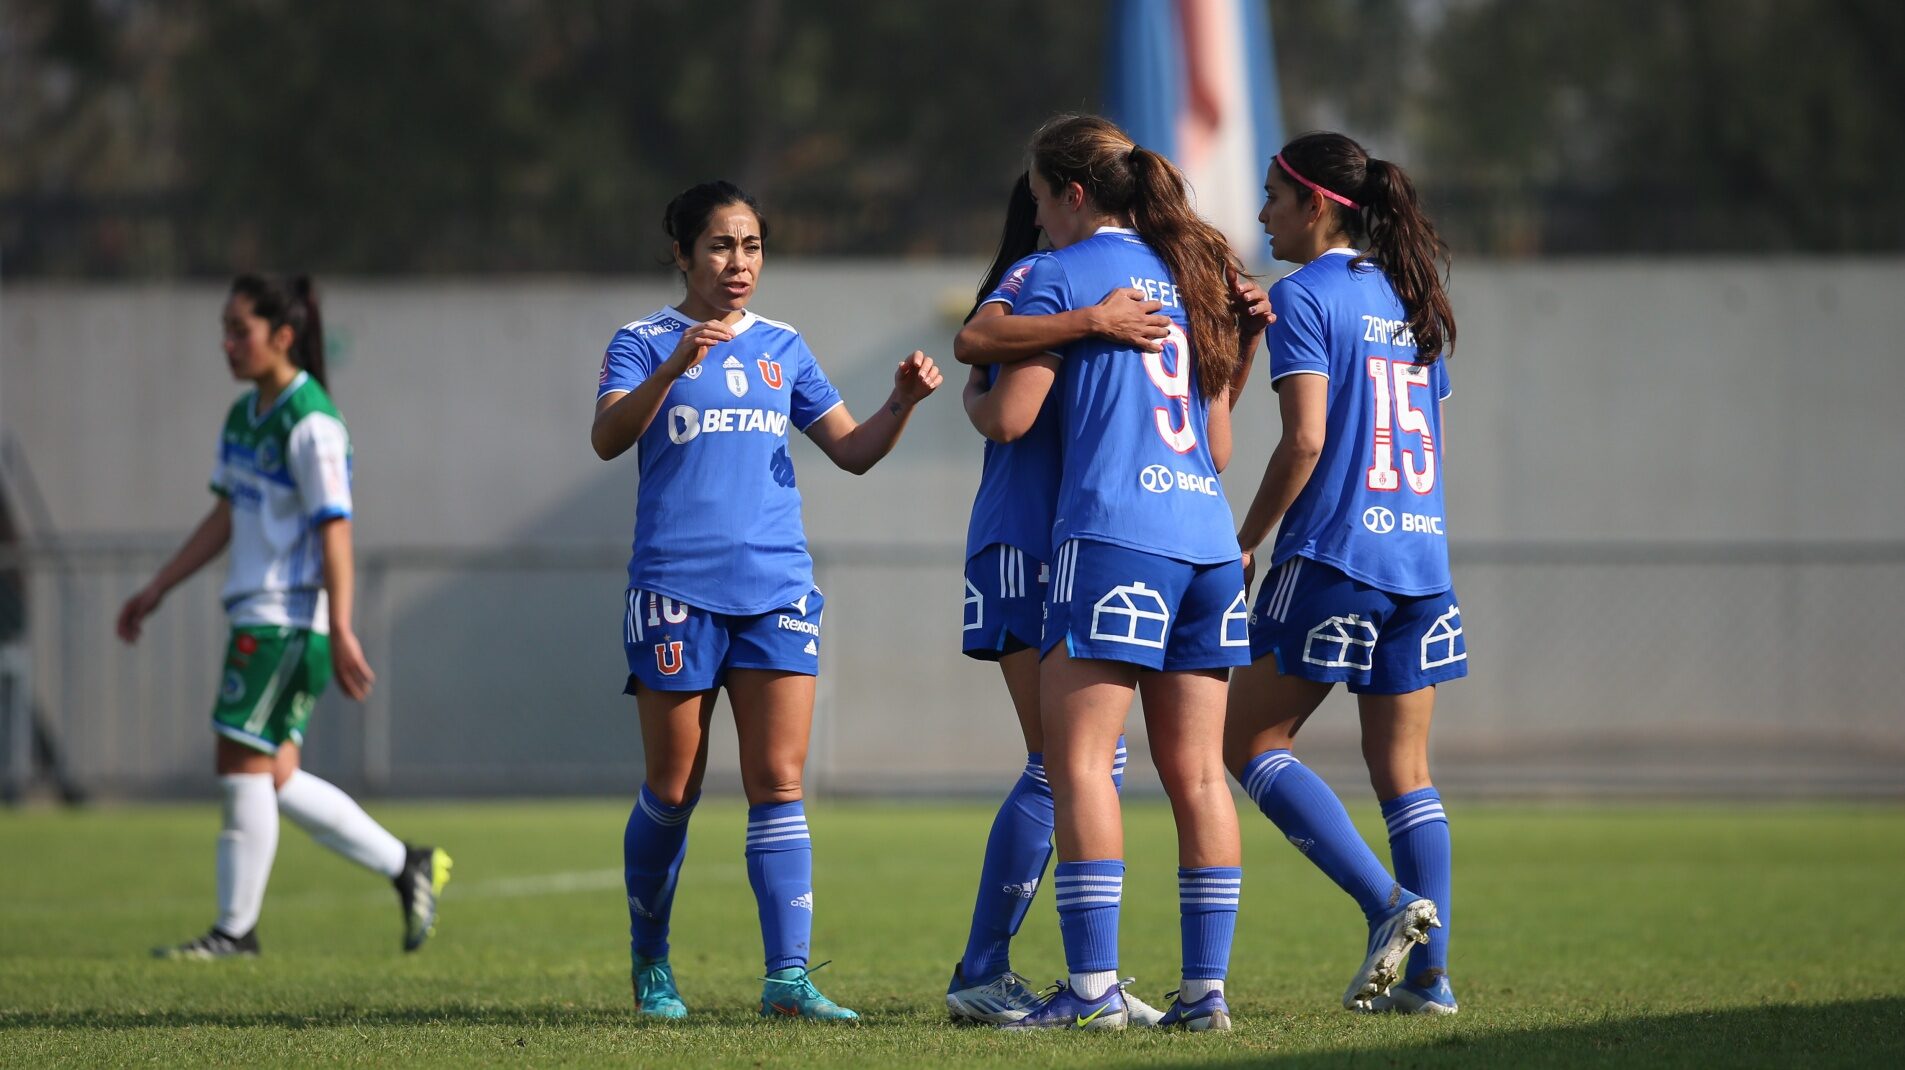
(1142, 1014)
(1389, 940)
(655, 993)
(1063, 1009)
(790, 993)
(1004, 999)
(1408, 998)
(215, 944)
(1210, 1014)
(425, 871)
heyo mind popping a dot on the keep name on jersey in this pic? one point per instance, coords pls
(1018, 485)
(1373, 507)
(1137, 469)
(285, 472)
(717, 515)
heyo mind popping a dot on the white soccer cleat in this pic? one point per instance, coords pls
(1003, 1000)
(1390, 940)
(1142, 1014)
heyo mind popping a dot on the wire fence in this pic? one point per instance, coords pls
(1607, 669)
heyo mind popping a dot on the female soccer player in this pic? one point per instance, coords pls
(1147, 589)
(1359, 589)
(721, 590)
(283, 503)
(1008, 550)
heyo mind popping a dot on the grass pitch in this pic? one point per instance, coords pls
(1658, 936)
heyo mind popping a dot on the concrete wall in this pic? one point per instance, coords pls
(1648, 467)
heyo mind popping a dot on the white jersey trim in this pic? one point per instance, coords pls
(822, 416)
(1301, 371)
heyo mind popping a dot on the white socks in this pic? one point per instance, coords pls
(335, 820)
(1094, 984)
(1192, 990)
(246, 847)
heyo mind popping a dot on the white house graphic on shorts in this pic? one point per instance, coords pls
(1236, 623)
(1442, 644)
(973, 609)
(1342, 643)
(1131, 613)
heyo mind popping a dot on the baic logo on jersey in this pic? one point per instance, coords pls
(1161, 480)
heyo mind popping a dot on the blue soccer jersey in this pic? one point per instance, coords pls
(1373, 507)
(1018, 486)
(717, 517)
(1137, 470)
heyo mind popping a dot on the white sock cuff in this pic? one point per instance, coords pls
(1192, 989)
(1094, 984)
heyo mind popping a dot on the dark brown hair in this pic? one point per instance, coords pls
(1398, 238)
(1018, 240)
(289, 301)
(1122, 178)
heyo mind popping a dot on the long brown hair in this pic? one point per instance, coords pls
(1122, 178)
(1388, 218)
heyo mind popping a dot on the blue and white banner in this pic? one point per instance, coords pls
(1196, 81)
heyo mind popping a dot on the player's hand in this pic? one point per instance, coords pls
(1250, 569)
(132, 615)
(348, 665)
(916, 378)
(695, 343)
(1250, 303)
(1129, 318)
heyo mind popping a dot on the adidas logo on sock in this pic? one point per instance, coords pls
(1301, 844)
(811, 648)
(804, 901)
(1023, 891)
(635, 905)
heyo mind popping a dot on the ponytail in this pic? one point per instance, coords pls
(1405, 244)
(290, 302)
(1198, 257)
(1122, 178)
(1375, 204)
(1018, 241)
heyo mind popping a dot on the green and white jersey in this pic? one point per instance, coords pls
(285, 472)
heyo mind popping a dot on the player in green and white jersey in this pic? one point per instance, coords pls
(282, 483)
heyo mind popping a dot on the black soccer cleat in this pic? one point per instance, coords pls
(425, 871)
(215, 944)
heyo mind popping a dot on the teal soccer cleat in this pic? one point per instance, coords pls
(655, 993)
(1408, 998)
(790, 993)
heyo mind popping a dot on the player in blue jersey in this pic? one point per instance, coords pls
(1147, 589)
(721, 590)
(1008, 549)
(282, 506)
(1358, 589)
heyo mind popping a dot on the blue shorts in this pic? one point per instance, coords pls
(672, 646)
(1117, 604)
(1324, 626)
(1005, 602)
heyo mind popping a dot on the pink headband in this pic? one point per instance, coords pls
(1337, 197)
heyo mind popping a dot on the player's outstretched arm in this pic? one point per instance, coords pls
(1304, 402)
(856, 447)
(1125, 316)
(206, 542)
(622, 416)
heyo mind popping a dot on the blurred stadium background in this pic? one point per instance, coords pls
(1677, 487)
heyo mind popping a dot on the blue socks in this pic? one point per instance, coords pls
(1017, 851)
(1312, 818)
(653, 845)
(1207, 917)
(1088, 897)
(780, 866)
(1419, 847)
